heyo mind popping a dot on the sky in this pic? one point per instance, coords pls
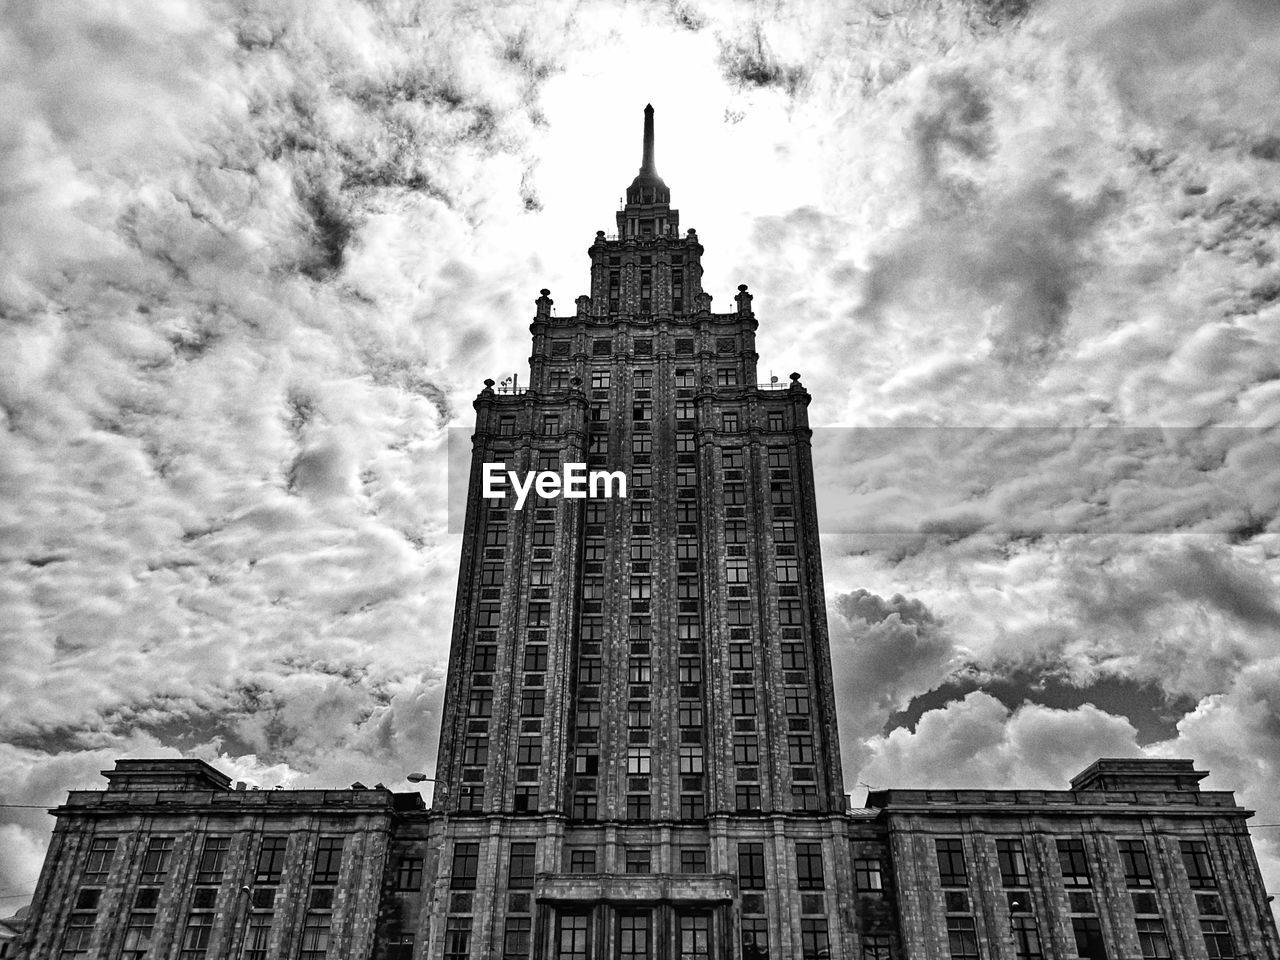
(256, 258)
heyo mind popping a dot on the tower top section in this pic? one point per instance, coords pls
(647, 212)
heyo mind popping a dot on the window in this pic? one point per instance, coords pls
(573, 937)
(1026, 938)
(102, 851)
(328, 860)
(484, 658)
(788, 570)
(755, 938)
(638, 806)
(789, 613)
(962, 938)
(466, 861)
(137, 935)
(797, 701)
(457, 938)
(694, 934)
(550, 425)
(475, 751)
(155, 862)
(480, 703)
(875, 947)
(409, 873)
(633, 936)
(532, 702)
(693, 859)
(814, 941)
(195, 938)
(1137, 866)
(584, 806)
(1217, 939)
(809, 866)
(1195, 857)
(638, 761)
(1088, 934)
(690, 760)
(751, 866)
(257, 936)
(741, 657)
(582, 861)
(559, 380)
(867, 876)
(1153, 940)
(600, 380)
(743, 702)
(535, 656)
(1013, 863)
(75, 943)
(601, 348)
(746, 796)
(726, 377)
(800, 748)
(639, 669)
(517, 938)
(637, 860)
(746, 749)
(793, 657)
(730, 422)
(528, 751)
(951, 869)
(506, 426)
(1075, 865)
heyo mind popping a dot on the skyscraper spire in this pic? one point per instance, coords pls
(647, 188)
(647, 168)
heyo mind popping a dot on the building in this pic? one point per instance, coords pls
(638, 756)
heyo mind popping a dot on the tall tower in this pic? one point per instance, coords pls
(638, 754)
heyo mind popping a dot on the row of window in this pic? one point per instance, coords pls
(1074, 863)
(268, 869)
(1153, 939)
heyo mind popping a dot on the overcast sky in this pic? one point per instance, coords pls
(257, 257)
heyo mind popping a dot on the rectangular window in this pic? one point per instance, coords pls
(521, 864)
(962, 938)
(582, 861)
(797, 701)
(573, 937)
(550, 425)
(195, 938)
(637, 860)
(1153, 940)
(517, 938)
(693, 859)
(457, 938)
(693, 932)
(532, 702)
(75, 942)
(814, 941)
(466, 861)
(328, 860)
(746, 749)
(1013, 863)
(809, 866)
(751, 866)
(1026, 938)
(1088, 934)
(726, 377)
(1217, 939)
(867, 876)
(951, 868)
(633, 936)
(409, 873)
(793, 657)
(876, 947)
(1195, 857)
(137, 935)
(755, 938)
(155, 862)
(1137, 865)
(102, 851)
(743, 702)
(746, 796)
(257, 936)
(1074, 863)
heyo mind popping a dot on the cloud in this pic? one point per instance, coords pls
(978, 742)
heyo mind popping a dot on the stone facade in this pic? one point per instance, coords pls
(638, 755)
